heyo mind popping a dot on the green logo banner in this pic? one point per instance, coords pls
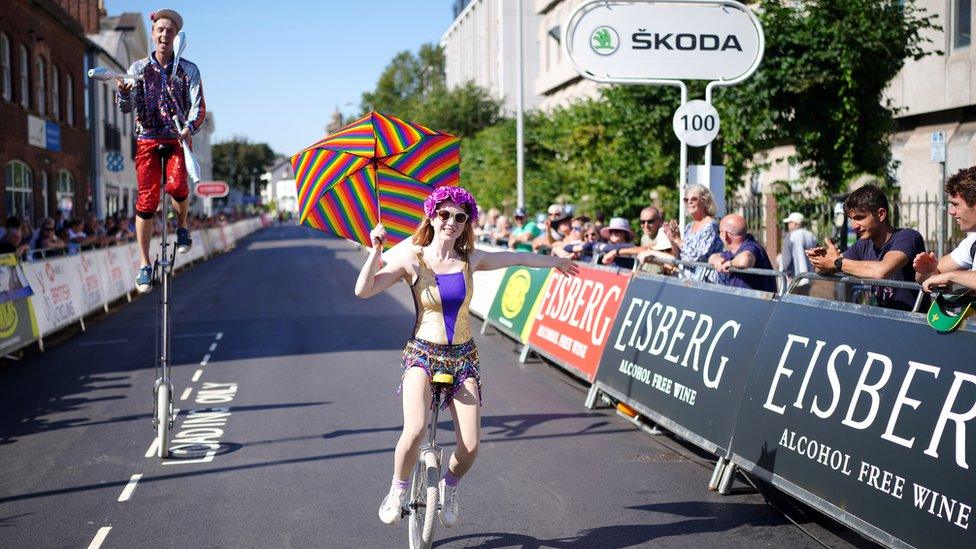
(516, 299)
(17, 324)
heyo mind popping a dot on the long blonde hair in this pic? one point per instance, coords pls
(423, 235)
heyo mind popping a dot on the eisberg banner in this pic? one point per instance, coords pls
(574, 318)
(875, 415)
(681, 353)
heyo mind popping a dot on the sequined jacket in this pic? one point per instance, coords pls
(157, 97)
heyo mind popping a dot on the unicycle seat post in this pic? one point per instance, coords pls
(440, 380)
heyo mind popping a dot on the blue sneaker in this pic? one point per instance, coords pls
(183, 240)
(144, 280)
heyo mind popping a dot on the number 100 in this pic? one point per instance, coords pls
(699, 122)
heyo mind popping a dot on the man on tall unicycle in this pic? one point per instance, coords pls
(161, 92)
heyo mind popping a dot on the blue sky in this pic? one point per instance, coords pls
(275, 71)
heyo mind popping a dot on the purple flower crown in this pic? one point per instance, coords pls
(458, 195)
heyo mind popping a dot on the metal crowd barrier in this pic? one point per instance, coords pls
(782, 284)
(846, 279)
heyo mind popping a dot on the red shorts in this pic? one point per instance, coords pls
(149, 170)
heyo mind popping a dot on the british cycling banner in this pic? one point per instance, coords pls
(572, 324)
(680, 352)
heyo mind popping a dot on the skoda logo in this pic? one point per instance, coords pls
(604, 40)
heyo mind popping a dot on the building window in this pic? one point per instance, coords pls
(962, 28)
(69, 99)
(44, 191)
(24, 79)
(19, 189)
(65, 193)
(111, 200)
(41, 86)
(5, 79)
(55, 93)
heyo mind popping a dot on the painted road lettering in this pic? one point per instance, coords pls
(202, 430)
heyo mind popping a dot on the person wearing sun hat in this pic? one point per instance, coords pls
(437, 264)
(618, 235)
(160, 94)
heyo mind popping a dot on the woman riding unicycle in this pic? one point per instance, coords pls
(440, 362)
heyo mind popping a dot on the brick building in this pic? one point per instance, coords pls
(44, 143)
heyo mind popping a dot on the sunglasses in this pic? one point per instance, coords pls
(648, 221)
(691, 199)
(459, 217)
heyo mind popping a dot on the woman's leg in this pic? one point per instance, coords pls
(416, 403)
(466, 410)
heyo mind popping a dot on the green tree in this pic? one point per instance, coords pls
(821, 87)
(413, 87)
(238, 159)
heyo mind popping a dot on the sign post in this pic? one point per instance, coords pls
(663, 43)
(939, 156)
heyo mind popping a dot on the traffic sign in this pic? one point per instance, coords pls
(696, 123)
(938, 146)
(211, 189)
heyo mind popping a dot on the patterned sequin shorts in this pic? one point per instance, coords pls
(461, 360)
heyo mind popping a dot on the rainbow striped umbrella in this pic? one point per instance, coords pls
(378, 168)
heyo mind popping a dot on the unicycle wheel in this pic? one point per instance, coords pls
(162, 420)
(424, 501)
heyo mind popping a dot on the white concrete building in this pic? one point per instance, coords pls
(557, 83)
(202, 149)
(480, 46)
(937, 93)
(121, 40)
(280, 187)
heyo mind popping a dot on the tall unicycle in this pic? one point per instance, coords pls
(162, 268)
(424, 492)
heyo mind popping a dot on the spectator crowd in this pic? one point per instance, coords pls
(732, 254)
(59, 235)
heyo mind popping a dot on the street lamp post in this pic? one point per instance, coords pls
(519, 124)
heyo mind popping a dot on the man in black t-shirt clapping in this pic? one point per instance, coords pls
(881, 250)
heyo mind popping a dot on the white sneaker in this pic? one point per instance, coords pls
(449, 504)
(391, 510)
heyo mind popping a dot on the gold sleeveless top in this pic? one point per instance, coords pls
(433, 323)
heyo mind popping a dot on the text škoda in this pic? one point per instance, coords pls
(643, 40)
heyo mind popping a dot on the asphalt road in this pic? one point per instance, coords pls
(301, 378)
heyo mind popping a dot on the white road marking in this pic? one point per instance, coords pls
(213, 347)
(196, 376)
(198, 335)
(130, 487)
(106, 342)
(99, 537)
(152, 448)
(219, 335)
(206, 359)
(186, 393)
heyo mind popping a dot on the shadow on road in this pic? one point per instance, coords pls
(509, 426)
(709, 517)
